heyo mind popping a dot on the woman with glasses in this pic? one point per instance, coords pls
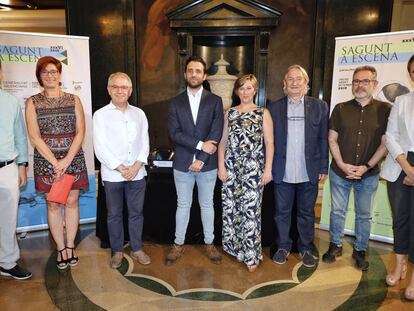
(56, 127)
(398, 170)
(244, 168)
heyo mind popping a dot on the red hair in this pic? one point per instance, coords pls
(43, 62)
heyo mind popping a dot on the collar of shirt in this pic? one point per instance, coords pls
(112, 106)
(292, 102)
(359, 104)
(197, 95)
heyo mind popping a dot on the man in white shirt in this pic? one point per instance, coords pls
(122, 145)
(195, 125)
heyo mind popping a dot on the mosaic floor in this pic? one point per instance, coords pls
(194, 283)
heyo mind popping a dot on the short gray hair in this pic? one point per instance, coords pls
(120, 75)
(304, 73)
(366, 68)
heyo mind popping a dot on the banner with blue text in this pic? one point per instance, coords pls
(19, 52)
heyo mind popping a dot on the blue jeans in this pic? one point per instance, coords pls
(184, 184)
(364, 190)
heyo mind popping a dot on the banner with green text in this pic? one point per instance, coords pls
(388, 53)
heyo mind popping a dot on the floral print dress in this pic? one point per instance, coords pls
(57, 124)
(242, 192)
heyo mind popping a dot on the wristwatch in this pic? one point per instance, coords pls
(23, 164)
(368, 166)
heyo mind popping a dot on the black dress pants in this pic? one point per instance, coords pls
(401, 198)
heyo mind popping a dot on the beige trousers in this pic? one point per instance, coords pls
(9, 201)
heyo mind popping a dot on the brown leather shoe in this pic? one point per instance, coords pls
(116, 260)
(175, 253)
(213, 254)
(141, 257)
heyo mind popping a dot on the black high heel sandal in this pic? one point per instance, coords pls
(62, 263)
(72, 260)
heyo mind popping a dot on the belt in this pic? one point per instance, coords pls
(2, 164)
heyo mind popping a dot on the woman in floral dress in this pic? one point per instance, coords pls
(56, 127)
(245, 166)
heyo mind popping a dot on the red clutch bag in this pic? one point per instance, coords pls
(60, 189)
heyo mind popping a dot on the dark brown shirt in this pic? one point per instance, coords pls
(360, 130)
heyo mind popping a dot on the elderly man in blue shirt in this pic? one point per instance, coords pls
(13, 163)
(300, 161)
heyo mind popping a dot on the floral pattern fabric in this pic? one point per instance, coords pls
(242, 192)
(57, 124)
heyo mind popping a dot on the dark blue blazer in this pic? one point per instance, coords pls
(316, 137)
(186, 133)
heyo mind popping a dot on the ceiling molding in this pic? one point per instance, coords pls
(53, 21)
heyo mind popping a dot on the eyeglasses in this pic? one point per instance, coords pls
(46, 72)
(120, 87)
(364, 82)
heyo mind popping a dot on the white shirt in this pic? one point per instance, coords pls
(120, 137)
(195, 105)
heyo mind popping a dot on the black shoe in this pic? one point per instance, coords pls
(360, 261)
(333, 252)
(16, 272)
(73, 260)
(61, 264)
(280, 257)
(105, 245)
(308, 259)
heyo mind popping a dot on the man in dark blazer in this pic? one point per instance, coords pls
(195, 124)
(300, 161)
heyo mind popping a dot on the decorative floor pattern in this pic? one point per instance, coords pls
(194, 283)
(198, 281)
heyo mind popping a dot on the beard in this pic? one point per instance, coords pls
(195, 84)
(361, 93)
